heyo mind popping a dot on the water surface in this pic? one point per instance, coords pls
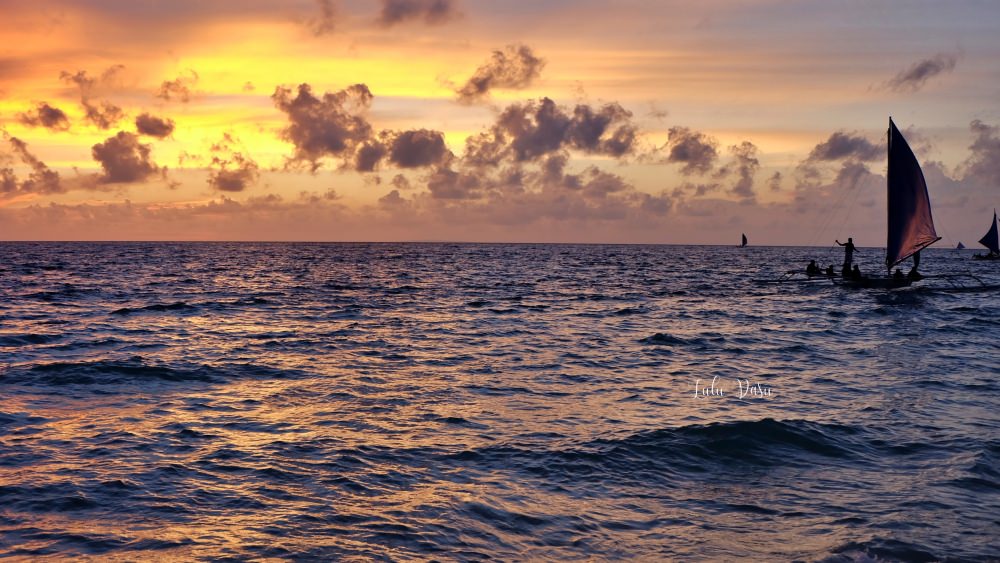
(464, 401)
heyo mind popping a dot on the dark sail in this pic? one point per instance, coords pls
(911, 227)
(744, 240)
(992, 238)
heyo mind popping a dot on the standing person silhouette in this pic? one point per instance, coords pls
(914, 274)
(848, 256)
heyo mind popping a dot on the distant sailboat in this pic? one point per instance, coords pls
(991, 241)
(960, 246)
(910, 226)
(744, 244)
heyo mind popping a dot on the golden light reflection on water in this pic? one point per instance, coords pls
(316, 400)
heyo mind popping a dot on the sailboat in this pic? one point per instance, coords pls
(744, 243)
(991, 241)
(910, 226)
(960, 246)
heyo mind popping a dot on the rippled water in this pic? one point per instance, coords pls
(415, 401)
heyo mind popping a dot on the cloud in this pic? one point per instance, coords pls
(231, 170)
(744, 166)
(515, 67)
(851, 174)
(369, 155)
(914, 77)
(152, 126)
(46, 116)
(774, 182)
(124, 159)
(842, 145)
(178, 89)
(695, 150)
(325, 22)
(533, 130)
(416, 148)
(331, 126)
(102, 114)
(41, 179)
(983, 164)
(430, 11)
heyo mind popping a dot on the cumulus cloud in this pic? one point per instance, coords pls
(983, 164)
(331, 126)
(744, 166)
(46, 116)
(851, 174)
(695, 150)
(515, 67)
(100, 113)
(430, 11)
(153, 126)
(533, 130)
(41, 179)
(124, 159)
(178, 89)
(520, 170)
(369, 155)
(416, 148)
(841, 145)
(231, 170)
(916, 75)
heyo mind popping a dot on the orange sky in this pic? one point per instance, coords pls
(586, 121)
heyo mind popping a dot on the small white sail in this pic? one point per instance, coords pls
(910, 225)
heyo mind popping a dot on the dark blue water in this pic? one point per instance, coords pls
(520, 402)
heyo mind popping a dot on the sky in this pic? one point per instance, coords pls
(516, 121)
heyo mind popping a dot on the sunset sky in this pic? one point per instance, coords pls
(463, 120)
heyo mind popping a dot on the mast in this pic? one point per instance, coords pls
(910, 226)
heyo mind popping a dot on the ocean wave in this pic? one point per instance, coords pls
(137, 370)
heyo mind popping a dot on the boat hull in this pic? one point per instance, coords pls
(875, 283)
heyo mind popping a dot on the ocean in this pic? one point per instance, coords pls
(400, 402)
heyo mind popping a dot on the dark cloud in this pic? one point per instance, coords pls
(983, 164)
(430, 11)
(124, 159)
(331, 126)
(533, 130)
(153, 126)
(842, 145)
(325, 22)
(178, 89)
(515, 67)
(231, 170)
(914, 77)
(416, 148)
(369, 155)
(41, 179)
(695, 150)
(46, 116)
(101, 113)
(592, 131)
(449, 184)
